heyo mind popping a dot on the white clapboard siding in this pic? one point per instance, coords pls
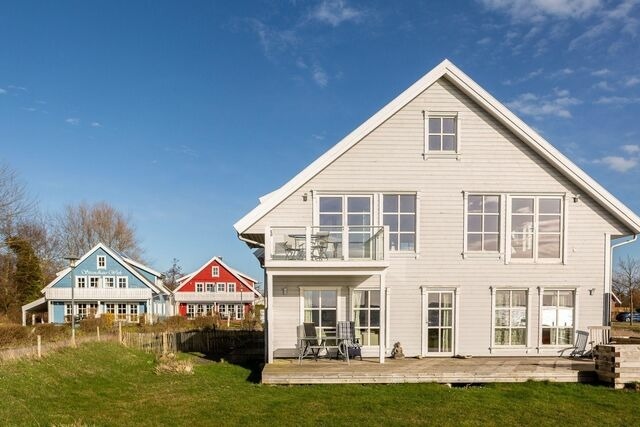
(491, 160)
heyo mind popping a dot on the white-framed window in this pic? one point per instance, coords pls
(133, 312)
(109, 282)
(82, 310)
(441, 131)
(211, 287)
(239, 311)
(191, 310)
(215, 271)
(123, 282)
(510, 324)
(482, 223)
(199, 287)
(94, 281)
(319, 306)
(81, 282)
(557, 317)
(110, 308)
(67, 312)
(221, 287)
(399, 213)
(537, 228)
(222, 310)
(121, 314)
(200, 310)
(231, 287)
(366, 316)
(335, 212)
(101, 261)
(209, 309)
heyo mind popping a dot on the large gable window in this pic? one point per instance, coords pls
(483, 223)
(442, 133)
(399, 213)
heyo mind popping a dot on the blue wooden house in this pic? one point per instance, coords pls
(103, 281)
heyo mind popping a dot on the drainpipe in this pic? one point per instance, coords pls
(617, 245)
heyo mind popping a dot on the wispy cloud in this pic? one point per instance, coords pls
(320, 76)
(484, 41)
(618, 163)
(2, 91)
(182, 149)
(74, 121)
(621, 18)
(18, 88)
(528, 76)
(563, 72)
(632, 81)
(272, 40)
(631, 149)
(96, 124)
(335, 12)
(603, 85)
(556, 105)
(617, 100)
(539, 10)
(601, 72)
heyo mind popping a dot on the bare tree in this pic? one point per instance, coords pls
(82, 226)
(172, 275)
(626, 279)
(14, 201)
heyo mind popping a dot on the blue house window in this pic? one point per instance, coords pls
(102, 262)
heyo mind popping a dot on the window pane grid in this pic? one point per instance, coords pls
(483, 223)
(366, 315)
(399, 213)
(557, 317)
(441, 134)
(510, 325)
(536, 227)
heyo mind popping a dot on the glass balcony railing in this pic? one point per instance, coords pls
(326, 243)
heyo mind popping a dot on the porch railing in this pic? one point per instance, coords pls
(326, 243)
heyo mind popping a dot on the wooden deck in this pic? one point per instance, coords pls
(430, 370)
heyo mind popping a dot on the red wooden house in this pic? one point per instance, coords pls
(215, 287)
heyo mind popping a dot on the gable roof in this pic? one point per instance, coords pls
(496, 109)
(115, 255)
(243, 278)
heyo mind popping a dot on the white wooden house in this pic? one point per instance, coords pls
(443, 222)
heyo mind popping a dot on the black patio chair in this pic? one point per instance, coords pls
(308, 342)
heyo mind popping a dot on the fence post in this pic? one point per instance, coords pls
(98, 332)
(120, 332)
(73, 337)
(39, 347)
(164, 343)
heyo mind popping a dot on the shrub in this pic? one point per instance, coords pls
(206, 322)
(11, 334)
(52, 332)
(175, 323)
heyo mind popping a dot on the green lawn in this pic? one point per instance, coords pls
(105, 384)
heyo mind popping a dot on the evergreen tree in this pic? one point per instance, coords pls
(28, 277)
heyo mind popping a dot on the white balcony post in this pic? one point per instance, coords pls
(269, 306)
(268, 241)
(385, 243)
(383, 320)
(345, 243)
(307, 243)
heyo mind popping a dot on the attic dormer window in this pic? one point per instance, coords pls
(102, 262)
(442, 134)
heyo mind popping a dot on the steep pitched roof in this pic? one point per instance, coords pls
(115, 255)
(463, 82)
(243, 278)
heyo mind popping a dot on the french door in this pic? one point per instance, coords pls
(440, 323)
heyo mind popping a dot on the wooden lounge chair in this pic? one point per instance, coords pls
(348, 345)
(308, 342)
(579, 349)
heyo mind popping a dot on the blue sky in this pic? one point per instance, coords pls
(183, 113)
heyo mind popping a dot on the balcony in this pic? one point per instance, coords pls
(204, 297)
(327, 246)
(99, 294)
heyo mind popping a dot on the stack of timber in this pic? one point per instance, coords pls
(618, 364)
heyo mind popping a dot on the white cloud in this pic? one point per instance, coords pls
(631, 149)
(556, 105)
(273, 40)
(600, 73)
(74, 121)
(96, 124)
(335, 12)
(538, 10)
(320, 76)
(528, 76)
(484, 41)
(603, 85)
(2, 91)
(561, 73)
(621, 18)
(617, 100)
(618, 163)
(632, 81)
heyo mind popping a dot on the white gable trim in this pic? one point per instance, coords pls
(115, 256)
(490, 104)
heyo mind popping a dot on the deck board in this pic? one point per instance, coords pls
(436, 370)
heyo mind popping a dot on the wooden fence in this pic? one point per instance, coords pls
(216, 343)
(40, 348)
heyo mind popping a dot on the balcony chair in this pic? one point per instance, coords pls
(348, 344)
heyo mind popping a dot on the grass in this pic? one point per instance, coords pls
(105, 384)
